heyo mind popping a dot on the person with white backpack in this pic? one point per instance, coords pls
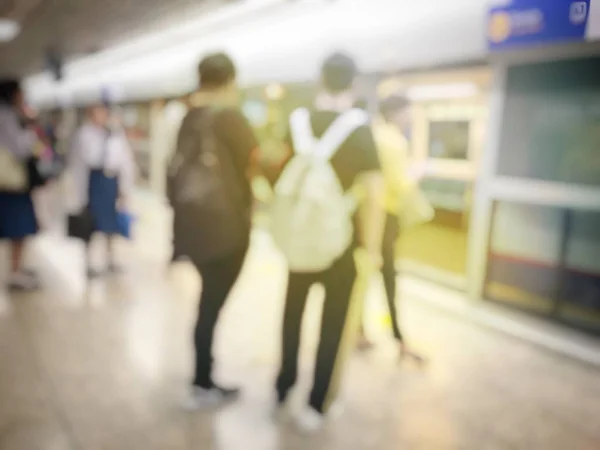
(332, 150)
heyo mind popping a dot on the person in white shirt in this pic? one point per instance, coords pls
(103, 172)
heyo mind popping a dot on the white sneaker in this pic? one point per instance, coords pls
(309, 420)
(283, 411)
(201, 398)
(335, 410)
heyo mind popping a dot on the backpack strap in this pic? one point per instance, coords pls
(338, 132)
(302, 133)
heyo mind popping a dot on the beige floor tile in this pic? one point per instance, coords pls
(107, 371)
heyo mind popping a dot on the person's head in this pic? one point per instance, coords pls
(338, 73)
(98, 115)
(217, 75)
(11, 93)
(396, 109)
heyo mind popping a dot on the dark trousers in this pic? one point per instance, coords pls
(218, 278)
(388, 269)
(338, 282)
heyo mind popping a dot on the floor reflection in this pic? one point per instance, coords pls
(106, 369)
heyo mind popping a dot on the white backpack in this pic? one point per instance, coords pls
(311, 217)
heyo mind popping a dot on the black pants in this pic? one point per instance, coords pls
(388, 269)
(218, 278)
(338, 282)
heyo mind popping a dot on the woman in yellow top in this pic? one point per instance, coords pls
(393, 149)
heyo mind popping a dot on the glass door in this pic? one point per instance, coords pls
(447, 139)
(543, 257)
(449, 118)
(543, 252)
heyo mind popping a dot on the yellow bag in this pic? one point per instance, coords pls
(13, 173)
(415, 209)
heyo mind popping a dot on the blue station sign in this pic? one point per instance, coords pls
(514, 24)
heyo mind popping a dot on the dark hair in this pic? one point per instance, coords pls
(338, 73)
(392, 105)
(9, 88)
(216, 70)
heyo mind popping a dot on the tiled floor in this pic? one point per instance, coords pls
(105, 370)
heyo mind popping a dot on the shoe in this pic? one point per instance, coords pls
(408, 354)
(175, 258)
(363, 344)
(34, 275)
(203, 398)
(282, 412)
(30, 272)
(336, 410)
(21, 281)
(309, 420)
(93, 274)
(115, 269)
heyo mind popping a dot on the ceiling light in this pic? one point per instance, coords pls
(274, 91)
(9, 29)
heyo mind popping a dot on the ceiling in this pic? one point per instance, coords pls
(79, 27)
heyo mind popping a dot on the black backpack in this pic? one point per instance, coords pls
(211, 219)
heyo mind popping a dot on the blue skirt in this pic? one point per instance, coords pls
(17, 216)
(103, 195)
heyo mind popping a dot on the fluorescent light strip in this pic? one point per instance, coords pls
(270, 45)
(9, 29)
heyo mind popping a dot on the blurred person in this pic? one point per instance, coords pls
(390, 131)
(52, 129)
(208, 187)
(101, 164)
(45, 169)
(354, 161)
(17, 216)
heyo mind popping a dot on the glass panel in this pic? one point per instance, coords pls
(551, 124)
(545, 260)
(580, 302)
(524, 254)
(441, 244)
(449, 139)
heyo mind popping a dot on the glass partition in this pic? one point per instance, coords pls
(551, 123)
(449, 139)
(544, 259)
(447, 133)
(442, 243)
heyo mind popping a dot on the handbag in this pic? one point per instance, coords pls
(415, 208)
(44, 165)
(81, 225)
(125, 222)
(13, 173)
